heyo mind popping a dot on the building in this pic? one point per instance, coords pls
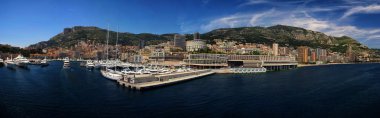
(141, 44)
(349, 53)
(206, 60)
(179, 41)
(195, 45)
(321, 54)
(275, 49)
(247, 61)
(196, 35)
(313, 56)
(303, 53)
(283, 51)
(137, 59)
(157, 56)
(223, 46)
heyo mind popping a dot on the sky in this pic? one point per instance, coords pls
(25, 22)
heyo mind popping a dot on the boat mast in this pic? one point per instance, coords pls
(108, 35)
(117, 38)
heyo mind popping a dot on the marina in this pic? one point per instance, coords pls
(78, 92)
(135, 76)
(190, 59)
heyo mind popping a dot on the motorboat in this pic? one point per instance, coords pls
(90, 64)
(44, 62)
(1, 62)
(66, 62)
(9, 63)
(21, 61)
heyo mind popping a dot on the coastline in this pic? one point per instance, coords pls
(309, 65)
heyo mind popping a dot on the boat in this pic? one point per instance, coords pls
(180, 70)
(66, 62)
(110, 74)
(126, 71)
(1, 62)
(90, 64)
(21, 61)
(248, 70)
(106, 72)
(44, 62)
(9, 63)
(146, 71)
(97, 64)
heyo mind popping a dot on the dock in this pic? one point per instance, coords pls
(164, 80)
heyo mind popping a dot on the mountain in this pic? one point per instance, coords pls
(5, 49)
(71, 36)
(284, 35)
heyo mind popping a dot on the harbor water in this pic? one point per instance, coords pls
(351, 90)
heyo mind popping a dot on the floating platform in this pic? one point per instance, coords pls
(241, 70)
(164, 80)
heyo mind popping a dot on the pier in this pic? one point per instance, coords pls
(153, 81)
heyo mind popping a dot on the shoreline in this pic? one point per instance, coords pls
(310, 65)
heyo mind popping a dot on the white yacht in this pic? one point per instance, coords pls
(110, 74)
(44, 62)
(1, 61)
(9, 62)
(126, 71)
(180, 70)
(153, 70)
(66, 62)
(21, 61)
(90, 64)
(146, 71)
(97, 64)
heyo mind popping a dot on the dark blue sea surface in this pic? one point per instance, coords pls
(325, 91)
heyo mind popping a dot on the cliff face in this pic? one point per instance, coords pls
(284, 35)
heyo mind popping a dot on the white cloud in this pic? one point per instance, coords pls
(236, 20)
(305, 22)
(362, 9)
(272, 2)
(258, 17)
(239, 20)
(356, 2)
(252, 2)
(373, 37)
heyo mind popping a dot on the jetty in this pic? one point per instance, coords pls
(142, 82)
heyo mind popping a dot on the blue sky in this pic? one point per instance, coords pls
(25, 22)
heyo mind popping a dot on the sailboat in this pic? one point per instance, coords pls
(109, 73)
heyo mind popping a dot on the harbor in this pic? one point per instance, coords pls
(78, 92)
(139, 76)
